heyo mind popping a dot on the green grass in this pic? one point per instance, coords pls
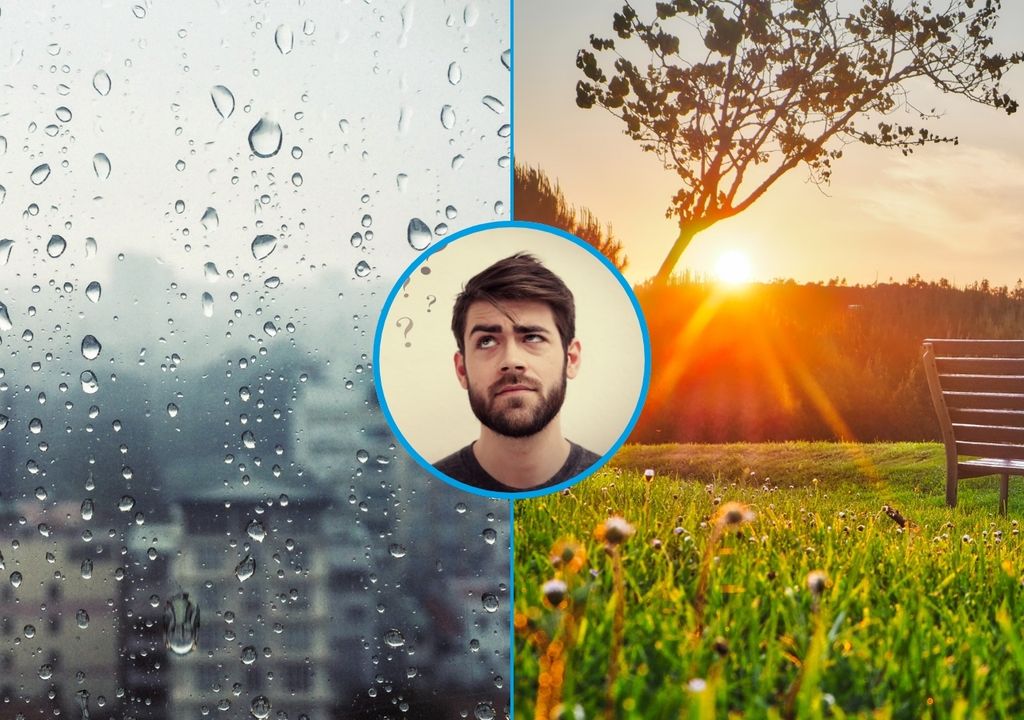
(914, 623)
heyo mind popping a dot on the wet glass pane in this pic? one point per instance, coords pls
(202, 208)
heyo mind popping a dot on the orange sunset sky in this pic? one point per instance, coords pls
(953, 212)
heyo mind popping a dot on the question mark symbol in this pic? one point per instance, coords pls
(430, 301)
(405, 286)
(408, 327)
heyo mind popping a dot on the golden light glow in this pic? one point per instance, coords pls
(733, 268)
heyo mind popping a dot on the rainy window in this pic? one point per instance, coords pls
(202, 209)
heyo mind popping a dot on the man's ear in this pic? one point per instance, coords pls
(460, 370)
(573, 358)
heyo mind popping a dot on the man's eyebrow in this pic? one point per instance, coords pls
(485, 329)
(527, 329)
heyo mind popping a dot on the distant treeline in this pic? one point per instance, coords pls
(783, 361)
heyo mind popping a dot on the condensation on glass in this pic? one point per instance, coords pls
(202, 208)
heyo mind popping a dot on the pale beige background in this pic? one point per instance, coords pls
(419, 383)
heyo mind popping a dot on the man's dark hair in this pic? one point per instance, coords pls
(518, 277)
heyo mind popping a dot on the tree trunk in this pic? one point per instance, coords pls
(686, 232)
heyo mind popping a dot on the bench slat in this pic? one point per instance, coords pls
(979, 365)
(983, 348)
(983, 383)
(1005, 418)
(980, 468)
(984, 401)
(990, 450)
(989, 433)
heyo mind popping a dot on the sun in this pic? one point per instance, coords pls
(733, 268)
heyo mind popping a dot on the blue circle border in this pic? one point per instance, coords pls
(378, 385)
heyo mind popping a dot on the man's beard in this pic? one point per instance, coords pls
(510, 421)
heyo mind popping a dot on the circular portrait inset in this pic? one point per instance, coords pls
(512, 360)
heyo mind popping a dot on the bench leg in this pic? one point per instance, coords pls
(1004, 493)
(951, 480)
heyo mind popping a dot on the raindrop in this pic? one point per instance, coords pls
(3, 194)
(87, 509)
(506, 59)
(470, 14)
(494, 104)
(249, 440)
(362, 268)
(263, 245)
(210, 272)
(270, 329)
(40, 493)
(210, 220)
(139, 11)
(87, 569)
(3, 423)
(460, 508)
(454, 73)
(5, 250)
(223, 101)
(91, 347)
(284, 39)
(256, 531)
(397, 550)
(394, 638)
(419, 234)
(126, 503)
(179, 206)
(82, 617)
(484, 711)
(89, 384)
(260, 707)
(35, 426)
(30, 631)
(245, 569)
(45, 672)
(172, 410)
(265, 138)
(101, 81)
(308, 27)
(101, 164)
(272, 282)
(5, 319)
(93, 291)
(207, 304)
(63, 114)
(39, 174)
(248, 655)
(490, 602)
(457, 161)
(90, 247)
(489, 535)
(181, 625)
(56, 246)
(362, 456)
(447, 118)
(16, 579)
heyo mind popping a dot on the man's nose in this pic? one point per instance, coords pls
(513, 358)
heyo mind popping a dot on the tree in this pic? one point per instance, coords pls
(767, 85)
(537, 199)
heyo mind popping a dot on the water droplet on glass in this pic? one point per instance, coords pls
(207, 304)
(179, 206)
(63, 114)
(210, 219)
(260, 707)
(82, 618)
(223, 101)
(91, 347)
(270, 329)
(265, 138)
(248, 439)
(272, 282)
(506, 59)
(362, 268)
(394, 638)
(248, 655)
(457, 161)
(181, 625)
(397, 550)
(101, 164)
(172, 410)
(29, 631)
(245, 569)
(489, 535)
(454, 73)
(5, 247)
(39, 174)
(101, 81)
(447, 117)
(90, 247)
(256, 531)
(419, 234)
(263, 245)
(45, 672)
(5, 319)
(461, 508)
(16, 579)
(93, 291)
(284, 39)
(210, 272)
(484, 711)
(493, 103)
(87, 509)
(139, 11)
(89, 384)
(126, 503)
(490, 602)
(56, 246)
(86, 569)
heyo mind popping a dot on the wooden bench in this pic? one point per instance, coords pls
(977, 387)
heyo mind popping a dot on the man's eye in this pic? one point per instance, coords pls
(534, 338)
(486, 342)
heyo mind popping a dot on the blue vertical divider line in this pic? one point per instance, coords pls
(512, 110)
(512, 609)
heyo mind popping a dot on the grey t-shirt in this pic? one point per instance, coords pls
(463, 466)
